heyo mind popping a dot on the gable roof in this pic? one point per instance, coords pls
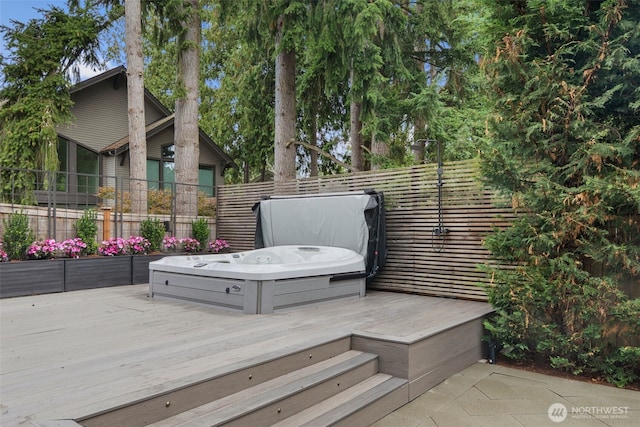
(151, 129)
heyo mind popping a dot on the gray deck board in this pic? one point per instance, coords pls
(64, 356)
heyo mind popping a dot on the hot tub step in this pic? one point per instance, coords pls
(282, 397)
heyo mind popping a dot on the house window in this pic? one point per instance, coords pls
(78, 168)
(206, 180)
(161, 173)
(153, 174)
(88, 167)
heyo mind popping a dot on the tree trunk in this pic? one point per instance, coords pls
(418, 146)
(187, 150)
(135, 99)
(313, 165)
(379, 149)
(355, 136)
(285, 110)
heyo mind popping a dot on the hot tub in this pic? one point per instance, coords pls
(261, 280)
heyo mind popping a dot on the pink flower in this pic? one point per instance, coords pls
(218, 245)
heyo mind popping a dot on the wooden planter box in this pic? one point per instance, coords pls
(65, 274)
(31, 277)
(89, 273)
(140, 267)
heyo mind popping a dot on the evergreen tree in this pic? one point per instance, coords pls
(45, 55)
(567, 149)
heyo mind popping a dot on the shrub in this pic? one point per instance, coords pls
(87, 230)
(152, 229)
(18, 236)
(206, 205)
(200, 230)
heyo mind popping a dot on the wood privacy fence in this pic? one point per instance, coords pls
(420, 260)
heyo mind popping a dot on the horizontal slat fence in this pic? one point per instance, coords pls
(418, 262)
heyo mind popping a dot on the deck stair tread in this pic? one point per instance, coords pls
(297, 389)
(344, 404)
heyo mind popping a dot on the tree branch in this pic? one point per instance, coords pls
(322, 153)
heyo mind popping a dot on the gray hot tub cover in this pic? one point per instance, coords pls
(353, 220)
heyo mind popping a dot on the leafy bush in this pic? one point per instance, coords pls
(158, 201)
(18, 236)
(87, 230)
(152, 229)
(565, 149)
(200, 230)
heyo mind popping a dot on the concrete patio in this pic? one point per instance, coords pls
(494, 395)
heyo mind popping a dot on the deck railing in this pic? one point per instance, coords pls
(55, 200)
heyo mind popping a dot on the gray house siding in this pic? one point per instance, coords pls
(100, 123)
(100, 114)
(155, 143)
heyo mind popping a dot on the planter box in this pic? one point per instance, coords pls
(99, 272)
(140, 267)
(66, 274)
(31, 277)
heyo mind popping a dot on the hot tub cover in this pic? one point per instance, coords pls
(353, 220)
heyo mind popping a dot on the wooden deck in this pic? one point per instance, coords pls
(65, 357)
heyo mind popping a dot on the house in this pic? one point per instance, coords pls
(96, 143)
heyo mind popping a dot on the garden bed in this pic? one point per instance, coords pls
(20, 278)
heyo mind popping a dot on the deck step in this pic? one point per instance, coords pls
(360, 405)
(275, 400)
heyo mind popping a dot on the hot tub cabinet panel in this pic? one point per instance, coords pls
(252, 296)
(224, 293)
(261, 281)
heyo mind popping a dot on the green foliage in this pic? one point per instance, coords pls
(87, 229)
(153, 230)
(43, 53)
(200, 231)
(18, 236)
(415, 72)
(567, 149)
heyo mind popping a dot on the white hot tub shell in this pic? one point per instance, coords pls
(261, 280)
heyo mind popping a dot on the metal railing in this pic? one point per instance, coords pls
(59, 199)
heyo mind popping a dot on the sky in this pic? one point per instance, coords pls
(23, 11)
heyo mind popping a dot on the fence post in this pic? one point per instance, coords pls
(106, 223)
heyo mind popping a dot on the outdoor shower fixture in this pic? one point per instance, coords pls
(438, 232)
